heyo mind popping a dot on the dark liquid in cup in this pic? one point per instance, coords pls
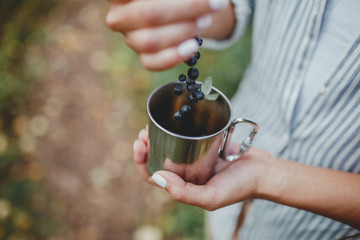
(206, 117)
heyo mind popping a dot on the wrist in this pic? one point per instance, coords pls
(272, 180)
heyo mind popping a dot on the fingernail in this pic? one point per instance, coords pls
(135, 145)
(188, 47)
(140, 133)
(203, 22)
(159, 180)
(218, 4)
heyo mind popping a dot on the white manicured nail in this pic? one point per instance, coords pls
(135, 145)
(218, 4)
(203, 22)
(188, 47)
(159, 180)
(141, 133)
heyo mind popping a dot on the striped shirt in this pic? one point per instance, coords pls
(324, 131)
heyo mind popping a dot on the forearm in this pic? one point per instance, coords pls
(327, 192)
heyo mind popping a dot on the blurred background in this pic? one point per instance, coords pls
(72, 100)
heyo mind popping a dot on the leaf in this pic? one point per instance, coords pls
(206, 86)
(212, 97)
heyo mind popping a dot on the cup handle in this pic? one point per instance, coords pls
(246, 143)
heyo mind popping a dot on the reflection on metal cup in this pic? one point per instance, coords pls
(191, 146)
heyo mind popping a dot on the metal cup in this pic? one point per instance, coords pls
(190, 147)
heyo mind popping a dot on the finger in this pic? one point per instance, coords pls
(155, 39)
(179, 169)
(234, 148)
(198, 195)
(140, 159)
(144, 135)
(222, 164)
(139, 149)
(169, 57)
(141, 14)
(118, 1)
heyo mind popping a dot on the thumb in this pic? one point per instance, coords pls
(168, 180)
(198, 195)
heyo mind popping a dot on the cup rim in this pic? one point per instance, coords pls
(184, 136)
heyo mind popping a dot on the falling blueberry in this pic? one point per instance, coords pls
(199, 95)
(197, 55)
(182, 77)
(200, 41)
(193, 98)
(193, 73)
(179, 89)
(190, 87)
(192, 61)
(190, 81)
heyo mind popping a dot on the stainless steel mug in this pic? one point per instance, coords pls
(190, 147)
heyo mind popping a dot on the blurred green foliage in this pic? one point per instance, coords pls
(21, 216)
(20, 26)
(189, 222)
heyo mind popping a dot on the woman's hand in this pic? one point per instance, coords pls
(331, 193)
(140, 148)
(232, 182)
(161, 31)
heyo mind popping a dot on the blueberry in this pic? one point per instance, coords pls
(200, 41)
(197, 55)
(185, 109)
(190, 87)
(179, 89)
(193, 73)
(178, 115)
(190, 81)
(192, 98)
(199, 95)
(182, 77)
(194, 95)
(192, 61)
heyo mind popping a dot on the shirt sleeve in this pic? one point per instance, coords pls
(243, 13)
